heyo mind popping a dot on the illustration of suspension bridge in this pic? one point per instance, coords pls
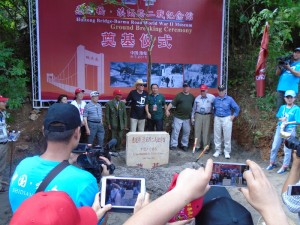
(75, 74)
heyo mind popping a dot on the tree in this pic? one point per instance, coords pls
(14, 51)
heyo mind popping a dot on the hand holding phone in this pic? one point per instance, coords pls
(293, 190)
(228, 174)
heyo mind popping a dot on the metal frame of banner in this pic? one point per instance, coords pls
(36, 98)
(225, 49)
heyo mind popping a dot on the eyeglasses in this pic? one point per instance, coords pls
(141, 85)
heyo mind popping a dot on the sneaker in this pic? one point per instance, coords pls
(207, 151)
(216, 154)
(227, 155)
(271, 166)
(185, 148)
(197, 149)
(282, 170)
(173, 148)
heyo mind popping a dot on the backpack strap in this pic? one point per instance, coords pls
(53, 173)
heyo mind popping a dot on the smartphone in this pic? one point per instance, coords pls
(121, 192)
(293, 190)
(228, 174)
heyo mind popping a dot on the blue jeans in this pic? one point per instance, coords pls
(96, 129)
(277, 143)
(186, 129)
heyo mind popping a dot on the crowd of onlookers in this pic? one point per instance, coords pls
(47, 189)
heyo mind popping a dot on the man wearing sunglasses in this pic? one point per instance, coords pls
(137, 100)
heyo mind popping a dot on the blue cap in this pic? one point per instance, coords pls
(290, 93)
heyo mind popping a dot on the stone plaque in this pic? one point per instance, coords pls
(147, 149)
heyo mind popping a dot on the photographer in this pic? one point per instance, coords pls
(289, 71)
(292, 202)
(62, 133)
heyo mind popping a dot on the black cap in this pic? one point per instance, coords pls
(65, 114)
(297, 49)
(224, 210)
(221, 87)
(185, 85)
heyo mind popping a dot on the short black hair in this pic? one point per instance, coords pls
(153, 85)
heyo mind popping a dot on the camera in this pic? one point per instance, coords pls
(294, 144)
(89, 158)
(284, 60)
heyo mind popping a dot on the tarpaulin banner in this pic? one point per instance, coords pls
(98, 46)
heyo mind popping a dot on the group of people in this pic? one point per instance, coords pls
(198, 112)
(149, 109)
(288, 113)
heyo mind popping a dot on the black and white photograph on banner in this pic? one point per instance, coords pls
(125, 74)
(129, 2)
(197, 74)
(167, 75)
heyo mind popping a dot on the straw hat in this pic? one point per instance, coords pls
(139, 81)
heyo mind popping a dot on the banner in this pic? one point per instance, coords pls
(260, 72)
(100, 46)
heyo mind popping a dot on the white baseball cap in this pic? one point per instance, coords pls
(290, 93)
(94, 93)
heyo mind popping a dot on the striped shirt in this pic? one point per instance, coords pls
(93, 112)
(292, 202)
(3, 127)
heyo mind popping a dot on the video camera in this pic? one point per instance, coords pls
(89, 158)
(294, 144)
(284, 60)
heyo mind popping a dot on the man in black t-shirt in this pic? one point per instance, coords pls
(137, 100)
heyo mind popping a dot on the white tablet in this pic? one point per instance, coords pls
(121, 192)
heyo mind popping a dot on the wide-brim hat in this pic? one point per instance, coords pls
(139, 81)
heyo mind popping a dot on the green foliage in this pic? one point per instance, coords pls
(12, 77)
(266, 103)
(247, 20)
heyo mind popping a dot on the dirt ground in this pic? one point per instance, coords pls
(157, 179)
